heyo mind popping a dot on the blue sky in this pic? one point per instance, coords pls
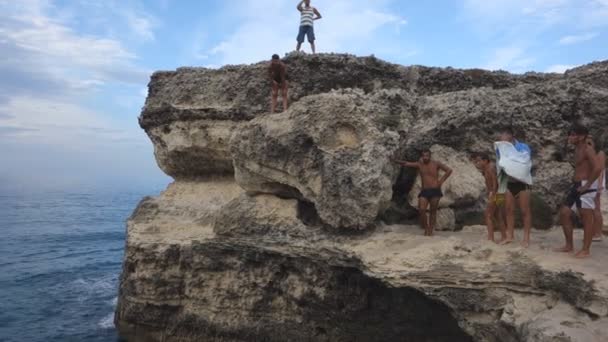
(74, 72)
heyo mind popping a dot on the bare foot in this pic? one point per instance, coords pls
(582, 255)
(525, 244)
(506, 242)
(564, 249)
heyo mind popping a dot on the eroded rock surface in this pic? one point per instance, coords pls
(325, 150)
(273, 229)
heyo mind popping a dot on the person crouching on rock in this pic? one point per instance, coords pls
(496, 201)
(431, 188)
(308, 15)
(581, 197)
(278, 76)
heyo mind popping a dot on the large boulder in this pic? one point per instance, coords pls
(326, 150)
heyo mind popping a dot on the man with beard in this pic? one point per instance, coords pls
(431, 188)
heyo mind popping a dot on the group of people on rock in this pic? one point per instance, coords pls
(583, 198)
(505, 192)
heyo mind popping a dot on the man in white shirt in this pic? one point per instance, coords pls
(308, 15)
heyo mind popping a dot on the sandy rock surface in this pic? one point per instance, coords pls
(275, 222)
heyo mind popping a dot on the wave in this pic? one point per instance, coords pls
(107, 322)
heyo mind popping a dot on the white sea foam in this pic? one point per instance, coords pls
(107, 322)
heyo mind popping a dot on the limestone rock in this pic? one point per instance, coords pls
(262, 215)
(446, 220)
(238, 248)
(326, 150)
(464, 188)
(191, 149)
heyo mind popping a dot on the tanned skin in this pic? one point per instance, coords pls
(586, 168)
(429, 174)
(523, 199)
(598, 220)
(305, 4)
(493, 211)
(277, 70)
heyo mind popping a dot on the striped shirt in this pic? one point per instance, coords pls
(308, 13)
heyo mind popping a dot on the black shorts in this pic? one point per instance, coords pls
(431, 193)
(516, 187)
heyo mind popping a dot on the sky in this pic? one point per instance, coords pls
(74, 73)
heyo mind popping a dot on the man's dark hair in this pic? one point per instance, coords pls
(579, 129)
(275, 56)
(483, 156)
(508, 129)
(425, 150)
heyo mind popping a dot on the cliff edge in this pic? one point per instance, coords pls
(297, 227)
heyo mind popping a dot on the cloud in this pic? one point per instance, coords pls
(47, 67)
(59, 123)
(10, 130)
(44, 56)
(347, 25)
(560, 68)
(511, 58)
(574, 39)
(142, 25)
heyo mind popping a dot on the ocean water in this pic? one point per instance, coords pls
(60, 261)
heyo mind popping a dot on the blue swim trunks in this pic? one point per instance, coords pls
(306, 30)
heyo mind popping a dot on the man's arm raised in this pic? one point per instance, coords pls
(447, 172)
(299, 7)
(317, 13)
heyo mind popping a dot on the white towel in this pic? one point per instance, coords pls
(515, 164)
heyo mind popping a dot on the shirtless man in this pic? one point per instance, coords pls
(581, 197)
(431, 188)
(598, 220)
(278, 76)
(495, 201)
(308, 15)
(517, 191)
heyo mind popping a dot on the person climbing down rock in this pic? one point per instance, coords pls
(431, 188)
(514, 164)
(598, 220)
(581, 197)
(495, 208)
(278, 76)
(308, 15)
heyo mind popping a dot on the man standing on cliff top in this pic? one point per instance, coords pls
(581, 197)
(278, 76)
(308, 15)
(431, 188)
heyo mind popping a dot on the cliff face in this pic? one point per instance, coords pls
(276, 225)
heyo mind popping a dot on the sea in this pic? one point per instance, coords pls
(60, 261)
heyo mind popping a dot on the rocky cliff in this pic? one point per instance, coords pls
(296, 226)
